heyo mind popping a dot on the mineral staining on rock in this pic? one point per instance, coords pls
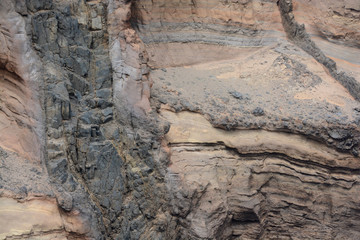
(179, 119)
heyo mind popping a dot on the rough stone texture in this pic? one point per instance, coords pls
(337, 22)
(258, 184)
(179, 119)
(20, 107)
(298, 34)
(129, 58)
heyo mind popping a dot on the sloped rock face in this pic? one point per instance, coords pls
(179, 119)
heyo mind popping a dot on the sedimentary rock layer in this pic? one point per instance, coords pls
(179, 119)
(252, 183)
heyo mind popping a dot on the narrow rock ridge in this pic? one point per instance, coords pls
(298, 34)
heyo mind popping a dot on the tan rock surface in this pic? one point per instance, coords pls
(335, 21)
(265, 174)
(31, 217)
(179, 119)
(253, 183)
(20, 110)
(193, 128)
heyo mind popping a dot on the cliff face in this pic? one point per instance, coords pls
(179, 119)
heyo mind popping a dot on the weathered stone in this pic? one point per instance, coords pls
(130, 120)
(107, 115)
(81, 66)
(237, 95)
(104, 93)
(79, 84)
(64, 200)
(65, 110)
(258, 111)
(96, 23)
(36, 5)
(90, 117)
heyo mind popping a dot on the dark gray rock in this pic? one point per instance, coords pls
(65, 110)
(37, 5)
(104, 93)
(236, 95)
(258, 111)
(339, 134)
(107, 115)
(81, 66)
(91, 117)
(64, 200)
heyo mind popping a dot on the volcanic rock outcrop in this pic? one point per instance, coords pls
(179, 119)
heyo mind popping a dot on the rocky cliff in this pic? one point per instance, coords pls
(217, 119)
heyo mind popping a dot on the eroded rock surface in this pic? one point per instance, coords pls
(258, 184)
(179, 119)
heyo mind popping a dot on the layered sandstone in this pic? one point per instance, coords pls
(179, 119)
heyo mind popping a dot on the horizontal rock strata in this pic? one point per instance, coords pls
(179, 119)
